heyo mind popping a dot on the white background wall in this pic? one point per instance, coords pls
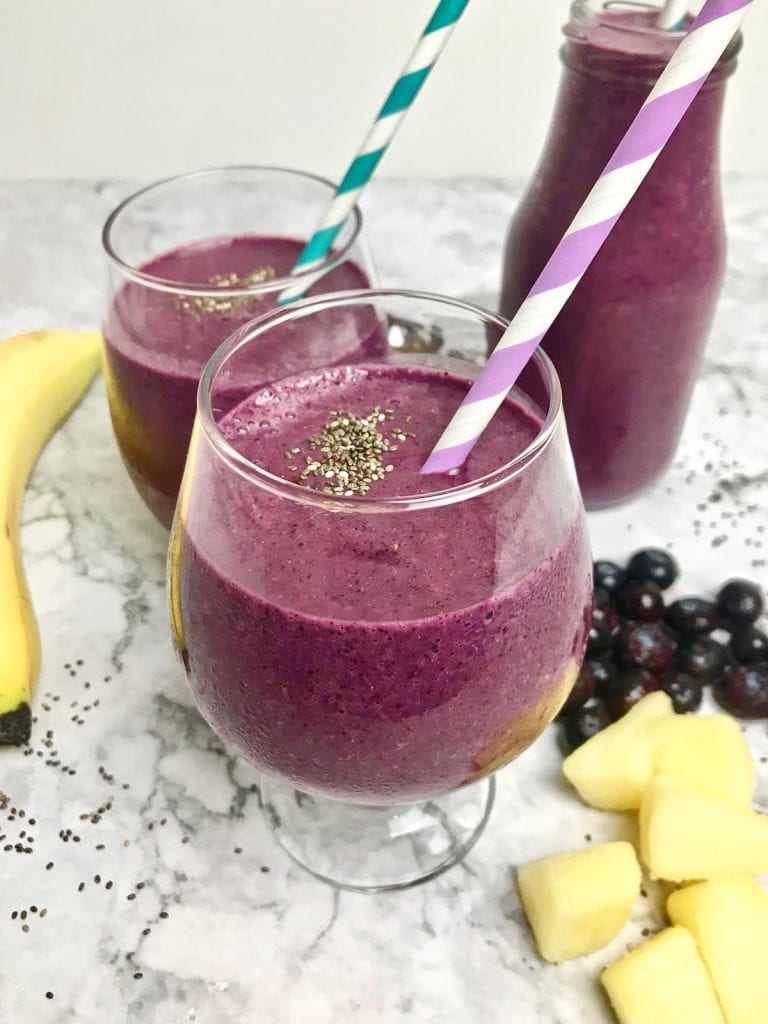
(147, 88)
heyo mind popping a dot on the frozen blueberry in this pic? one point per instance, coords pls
(627, 689)
(686, 691)
(603, 598)
(603, 672)
(750, 645)
(692, 616)
(703, 658)
(644, 645)
(598, 639)
(743, 691)
(608, 576)
(740, 602)
(641, 601)
(652, 565)
(605, 626)
(582, 724)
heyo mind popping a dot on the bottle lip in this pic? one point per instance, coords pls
(641, 50)
(603, 12)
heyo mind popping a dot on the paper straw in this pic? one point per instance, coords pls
(668, 101)
(673, 15)
(431, 44)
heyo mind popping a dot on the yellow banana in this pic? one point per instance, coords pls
(43, 375)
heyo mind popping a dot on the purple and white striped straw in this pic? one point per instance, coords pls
(667, 102)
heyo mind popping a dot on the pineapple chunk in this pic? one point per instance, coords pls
(577, 903)
(705, 752)
(611, 770)
(687, 835)
(728, 917)
(664, 981)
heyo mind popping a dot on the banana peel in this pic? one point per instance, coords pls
(43, 375)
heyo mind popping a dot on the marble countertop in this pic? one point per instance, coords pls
(167, 900)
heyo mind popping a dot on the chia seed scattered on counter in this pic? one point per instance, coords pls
(723, 476)
(17, 825)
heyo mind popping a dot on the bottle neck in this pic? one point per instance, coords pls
(621, 43)
(610, 67)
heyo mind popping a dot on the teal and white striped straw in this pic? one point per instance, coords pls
(405, 90)
(672, 17)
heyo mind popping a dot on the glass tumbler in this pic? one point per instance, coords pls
(191, 259)
(628, 344)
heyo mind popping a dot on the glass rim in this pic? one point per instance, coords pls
(333, 259)
(645, 70)
(584, 11)
(283, 488)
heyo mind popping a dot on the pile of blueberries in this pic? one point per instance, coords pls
(638, 643)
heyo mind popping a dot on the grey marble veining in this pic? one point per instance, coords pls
(222, 927)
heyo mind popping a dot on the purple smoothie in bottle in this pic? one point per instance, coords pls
(628, 343)
(386, 656)
(158, 342)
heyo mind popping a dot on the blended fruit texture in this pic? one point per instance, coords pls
(628, 343)
(383, 655)
(158, 343)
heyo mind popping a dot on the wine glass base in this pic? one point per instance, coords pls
(368, 848)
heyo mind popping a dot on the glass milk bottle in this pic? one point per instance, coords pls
(628, 343)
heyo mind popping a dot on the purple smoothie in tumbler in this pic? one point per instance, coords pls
(628, 343)
(158, 341)
(386, 656)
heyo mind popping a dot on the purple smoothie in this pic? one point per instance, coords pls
(158, 343)
(378, 656)
(628, 343)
